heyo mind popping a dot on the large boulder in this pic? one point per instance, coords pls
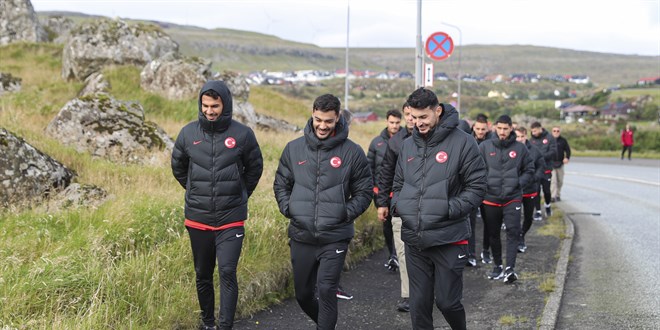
(95, 45)
(57, 28)
(9, 83)
(27, 174)
(19, 22)
(111, 129)
(95, 83)
(175, 77)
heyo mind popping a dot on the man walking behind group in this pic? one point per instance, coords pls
(547, 145)
(563, 156)
(218, 162)
(322, 184)
(440, 178)
(375, 156)
(627, 140)
(530, 192)
(510, 168)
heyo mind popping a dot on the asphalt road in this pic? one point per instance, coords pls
(614, 277)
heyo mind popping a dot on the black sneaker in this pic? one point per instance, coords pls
(403, 306)
(510, 275)
(392, 264)
(522, 247)
(548, 211)
(472, 261)
(485, 257)
(207, 327)
(497, 273)
(538, 216)
(341, 294)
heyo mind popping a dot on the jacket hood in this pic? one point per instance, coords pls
(222, 123)
(337, 137)
(506, 142)
(448, 122)
(386, 135)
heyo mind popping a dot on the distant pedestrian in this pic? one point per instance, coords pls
(563, 156)
(218, 162)
(510, 168)
(322, 184)
(530, 191)
(375, 156)
(383, 200)
(439, 180)
(627, 140)
(546, 143)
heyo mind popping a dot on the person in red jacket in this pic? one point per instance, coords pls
(627, 141)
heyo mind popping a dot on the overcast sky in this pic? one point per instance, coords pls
(608, 26)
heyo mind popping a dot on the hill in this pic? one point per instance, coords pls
(250, 51)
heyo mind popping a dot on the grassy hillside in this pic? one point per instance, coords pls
(249, 51)
(128, 264)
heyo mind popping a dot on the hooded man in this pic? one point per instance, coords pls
(322, 184)
(218, 162)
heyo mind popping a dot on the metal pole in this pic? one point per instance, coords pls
(348, 16)
(460, 46)
(419, 56)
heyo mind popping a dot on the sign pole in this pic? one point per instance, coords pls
(419, 56)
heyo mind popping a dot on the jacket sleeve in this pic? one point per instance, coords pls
(539, 165)
(567, 151)
(361, 186)
(253, 163)
(397, 183)
(527, 169)
(283, 185)
(384, 178)
(552, 150)
(371, 158)
(180, 160)
(472, 176)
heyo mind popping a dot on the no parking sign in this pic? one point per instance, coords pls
(439, 46)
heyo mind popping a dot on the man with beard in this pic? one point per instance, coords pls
(546, 143)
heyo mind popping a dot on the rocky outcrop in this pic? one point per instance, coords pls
(26, 174)
(94, 45)
(9, 83)
(95, 83)
(78, 195)
(111, 129)
(57, 28)
(175, 77)
(19, 22)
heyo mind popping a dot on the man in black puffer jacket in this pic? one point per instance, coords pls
(510, 168)
(531, 190)
(218, 161)
(440, 177)
(323, 183)
(547, 145)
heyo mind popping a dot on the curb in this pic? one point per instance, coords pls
(551, 309)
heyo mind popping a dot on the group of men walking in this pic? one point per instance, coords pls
(427, 181)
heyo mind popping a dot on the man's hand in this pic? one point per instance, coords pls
(383, 212)
(565, 160)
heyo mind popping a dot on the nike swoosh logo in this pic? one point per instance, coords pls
(197, 142)
(302, 162)
(461, 256)
(518, 208)
(338, 251)
(239, 235)
(411, 158)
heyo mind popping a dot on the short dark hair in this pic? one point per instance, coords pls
(393, 112)
(405, 105)
(423, 98)
(535, 124)
(521, 130)
(326, 103)
(212, 94)
(504, 119)
(482, 118)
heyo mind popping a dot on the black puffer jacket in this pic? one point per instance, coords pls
(548, 147)
(322, 186)
(510, 168)
(385, 176)
(219, 164)
(377, 149)
(539, 169)
(438, 181)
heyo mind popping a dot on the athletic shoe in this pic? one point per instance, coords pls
(208, 327)
(548, 211)
(341, 294)
(403, 306)
(510, 275)
(522, 247)
(485, 257)
(472, 261)
(392, 264)
(503, 226)
(538, 216)
(496, 274)
(558, 199)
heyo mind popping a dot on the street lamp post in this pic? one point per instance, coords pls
(460, 46)
(348, 19)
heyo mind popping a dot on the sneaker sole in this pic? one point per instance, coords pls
(344, 297)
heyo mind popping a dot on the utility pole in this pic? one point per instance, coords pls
(348, 19)
(419, 55)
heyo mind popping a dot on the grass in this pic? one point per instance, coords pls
(548, 284)
(511, 320)
(554, 226)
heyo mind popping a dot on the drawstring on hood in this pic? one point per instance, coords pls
(222, 123)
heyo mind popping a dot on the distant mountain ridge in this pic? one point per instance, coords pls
(250, 51)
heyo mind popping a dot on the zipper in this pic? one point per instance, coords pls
(316, 195)
(213, 174)
(421, 193)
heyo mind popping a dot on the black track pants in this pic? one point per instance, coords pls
(528, 214)
(318, 266)
(493, 217)
(389, 236)
(225, 246)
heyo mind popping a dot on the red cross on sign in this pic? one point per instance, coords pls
(439, 46)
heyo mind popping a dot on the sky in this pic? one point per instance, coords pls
(629, 27)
